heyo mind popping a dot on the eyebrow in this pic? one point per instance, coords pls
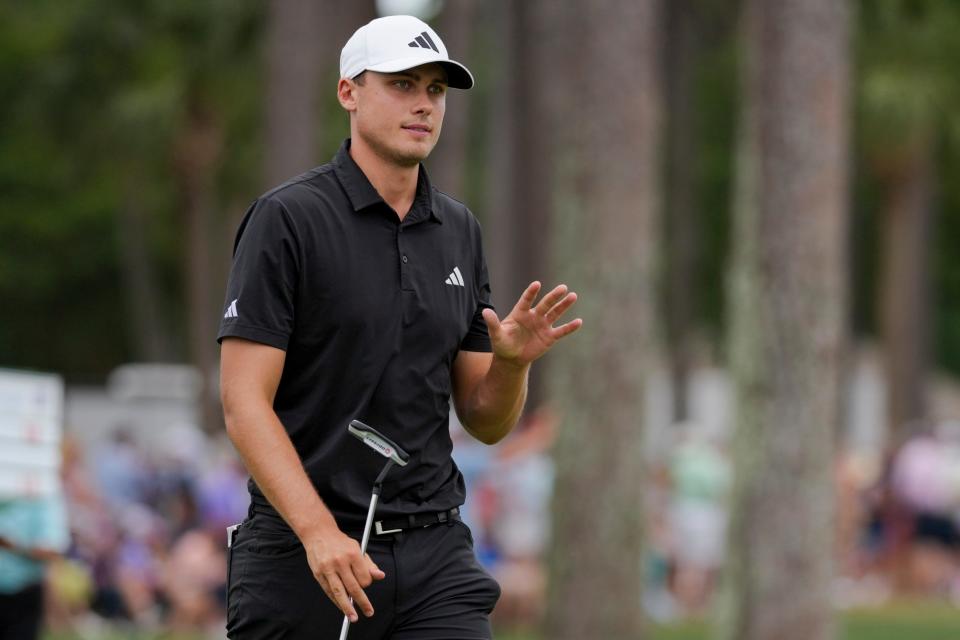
(416, 76)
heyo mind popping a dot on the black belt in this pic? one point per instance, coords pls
(415, 521)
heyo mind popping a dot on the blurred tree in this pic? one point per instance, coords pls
(699, 84)
(59, 275)
(500, 211)
(93, 261)
(909, 98)
(448, 162)
(302, 50)
(681, 256)
(606, 92)
(209, 40)
(113, 95)
(905, 312)
(295, 33)
(788, 310)
(518, 210)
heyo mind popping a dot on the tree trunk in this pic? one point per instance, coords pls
(681, 220)
(197, 155)
(149, 330)
(608, 99)
(294, 40)
(788, 310)
(905, 285)
(499, 211)
(520, 174)
(448, 162)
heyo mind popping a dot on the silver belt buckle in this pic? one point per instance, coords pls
(231, 534)
(378, 526)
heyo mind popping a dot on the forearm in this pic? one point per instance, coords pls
(40, 554)
(271, 459)
(495, 405)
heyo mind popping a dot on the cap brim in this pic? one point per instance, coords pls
(458, 76)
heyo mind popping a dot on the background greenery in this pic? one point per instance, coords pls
(96, 91)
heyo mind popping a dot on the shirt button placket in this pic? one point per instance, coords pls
(404, 261)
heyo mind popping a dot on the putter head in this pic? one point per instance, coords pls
(378, 442)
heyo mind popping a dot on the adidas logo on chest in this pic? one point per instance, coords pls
(455, 278)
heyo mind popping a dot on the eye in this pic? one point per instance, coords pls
(437, 89)
(402, 84)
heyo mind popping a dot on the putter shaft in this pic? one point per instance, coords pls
(367, 526)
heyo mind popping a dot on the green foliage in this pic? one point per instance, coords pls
(57, 256)
(907, 52)
(95, 93)
(908, 88)
(716, 98)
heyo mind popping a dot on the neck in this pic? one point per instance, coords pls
(396, 184)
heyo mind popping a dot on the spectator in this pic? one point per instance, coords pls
(700, 477)
(33, 531)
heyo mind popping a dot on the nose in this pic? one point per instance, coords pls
(423, 105)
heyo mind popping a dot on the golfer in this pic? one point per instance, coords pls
(359, 291)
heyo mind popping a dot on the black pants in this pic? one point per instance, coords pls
(21, 614)
(434, 588)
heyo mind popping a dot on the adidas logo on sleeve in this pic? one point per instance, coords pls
(231, 310)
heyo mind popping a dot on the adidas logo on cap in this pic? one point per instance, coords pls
(424, 40)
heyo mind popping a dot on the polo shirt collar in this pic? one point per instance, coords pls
(362, 194)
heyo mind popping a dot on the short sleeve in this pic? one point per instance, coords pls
(478, 338)
(262, 287)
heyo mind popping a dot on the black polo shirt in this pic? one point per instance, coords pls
(371, 312)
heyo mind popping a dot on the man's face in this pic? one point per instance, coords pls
(398, 115)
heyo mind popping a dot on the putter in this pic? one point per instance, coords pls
(394, 455)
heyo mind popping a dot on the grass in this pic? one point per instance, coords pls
(904, 622)
(924, 621)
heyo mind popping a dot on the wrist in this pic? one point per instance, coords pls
(317, 528)
(511, 364)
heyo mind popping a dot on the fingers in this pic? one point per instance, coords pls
(528, 296)
(371, 567)
(364, 571)
(493, 323)
(560, 307)
(355, 591)
(551, 299)
(567, 329)
(333, 587)
(554, 305)
(345, 587)
(344, 575)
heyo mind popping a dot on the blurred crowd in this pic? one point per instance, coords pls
(147, 535)
(147, 526)
(898, 519)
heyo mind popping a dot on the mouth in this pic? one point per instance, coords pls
(419, 130)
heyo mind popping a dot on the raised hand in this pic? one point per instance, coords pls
(528, 332)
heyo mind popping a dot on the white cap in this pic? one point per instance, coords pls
(397, 43)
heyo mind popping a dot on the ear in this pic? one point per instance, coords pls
(347, 94)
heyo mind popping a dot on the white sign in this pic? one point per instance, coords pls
(31, 429)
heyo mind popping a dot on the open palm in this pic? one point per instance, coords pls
(528, 332)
